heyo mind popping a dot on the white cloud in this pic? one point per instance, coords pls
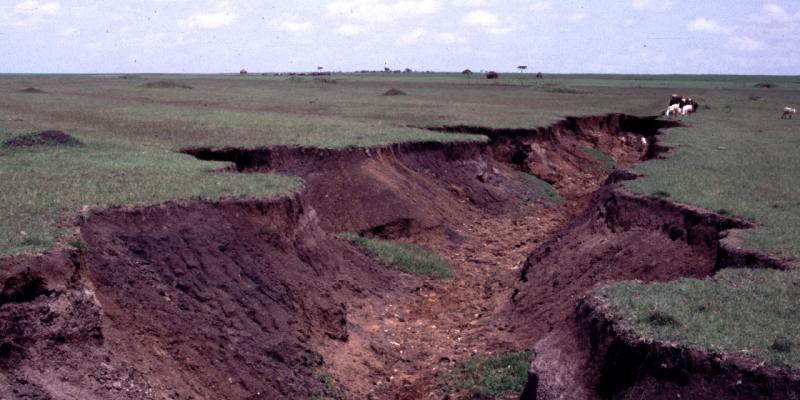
(746, 44)
(470, 3)
(702, 24)
(489, 23)
(577, 17)
(32, 7)
(541, 5)
(208, 20)
(350, 30)
(292, 26)
(69, 31)
(382, 11)
(772, 12)
(482, 19)
(449, 38)
(655, 5)
(411, 37)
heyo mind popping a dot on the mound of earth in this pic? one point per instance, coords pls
(394, 92)
(32, 90)
(45, 138)
(166, 85)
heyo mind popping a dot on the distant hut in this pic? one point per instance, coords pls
(243, 72)
(492, 75)
(466, 73)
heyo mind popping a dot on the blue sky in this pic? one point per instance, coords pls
(622, 36)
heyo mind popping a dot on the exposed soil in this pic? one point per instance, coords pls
(223, 300)
(252, 299)
(45, 138)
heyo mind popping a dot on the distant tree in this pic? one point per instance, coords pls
(243, 72)
(409, 70)
(522, 68)
(467, 73)
(492, 75)
(319, 68)
(387, 69)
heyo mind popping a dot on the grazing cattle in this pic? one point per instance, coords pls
(680, 105)
(788, 112)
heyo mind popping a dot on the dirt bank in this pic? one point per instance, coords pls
(224, 300)
(624, 236)
(407, 188)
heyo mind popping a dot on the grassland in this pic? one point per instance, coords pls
(750, 312)
(735, 156)
(406, 257)
(741, 159)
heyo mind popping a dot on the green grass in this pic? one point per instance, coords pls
(406, 257)
(488, 377)
(599, 156)
(752, 312)
(541, 190)
(44, 186)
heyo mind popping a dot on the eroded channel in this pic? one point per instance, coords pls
(252, 299)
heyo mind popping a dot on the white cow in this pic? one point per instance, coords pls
(788, 112)
(687, 109)
(673, 109)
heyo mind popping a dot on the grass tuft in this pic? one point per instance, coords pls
(541, 190)
(403, 256)
(599, 156)
(661, 194)
(660, 318)
(488, 377)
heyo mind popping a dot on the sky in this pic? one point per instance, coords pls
(569, 36)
